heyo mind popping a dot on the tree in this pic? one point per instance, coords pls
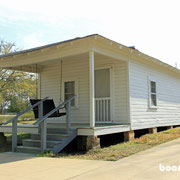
(7, 47)
(15, 87)
(6, 75)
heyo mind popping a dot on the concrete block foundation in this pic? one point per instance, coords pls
(152, 130)
(169, 127)
(92, 142)
(128, 136)
(88, 142)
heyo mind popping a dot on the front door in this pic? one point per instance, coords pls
(102, 95)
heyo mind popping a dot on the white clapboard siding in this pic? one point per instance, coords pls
(79, 69)
(71, 70)
(168, 97)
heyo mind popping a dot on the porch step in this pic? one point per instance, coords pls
(55, 141)
(56, 131)
(53, 137)
(30, 150)
(37, 143)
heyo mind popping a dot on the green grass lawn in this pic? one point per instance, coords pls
(23, 120)
(4, 118)
(116, 152)
(21, 136)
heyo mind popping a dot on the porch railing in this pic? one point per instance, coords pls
(14, 121)
(103, 109)
(41, 121)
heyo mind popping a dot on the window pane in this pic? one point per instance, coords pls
(69, 91)
(153, 100)
(67, 96)
(69, 87)
(153, 87)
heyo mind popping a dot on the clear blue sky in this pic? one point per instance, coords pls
(152, 26)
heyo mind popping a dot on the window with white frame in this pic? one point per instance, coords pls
(69, 91)
(153, 94)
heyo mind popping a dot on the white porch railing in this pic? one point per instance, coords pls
(103, 109)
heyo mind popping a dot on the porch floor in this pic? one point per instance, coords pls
(99, 129)
(82, 129)
(81, 125)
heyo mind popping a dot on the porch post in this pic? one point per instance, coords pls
(43, 128)
(91, 89)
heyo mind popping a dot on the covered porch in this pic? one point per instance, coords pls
(97, 78)
(99, 83)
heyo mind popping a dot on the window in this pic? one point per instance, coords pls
(69, 91)
(153, 95)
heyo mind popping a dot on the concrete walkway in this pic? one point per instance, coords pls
(143, 165)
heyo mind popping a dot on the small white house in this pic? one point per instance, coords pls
(116, 88)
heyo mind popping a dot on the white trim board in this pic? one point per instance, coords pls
(97, 131)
